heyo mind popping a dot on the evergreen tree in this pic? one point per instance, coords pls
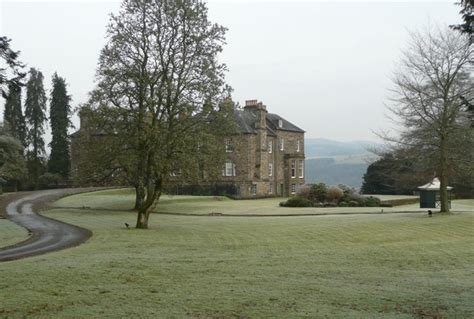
(467, 13)
(13, 114)
(12, 162)
(35, 113)
(10, 62)
(59, 112)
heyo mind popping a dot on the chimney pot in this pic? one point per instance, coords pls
(250, 102)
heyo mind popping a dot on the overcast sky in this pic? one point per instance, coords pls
(325, 66)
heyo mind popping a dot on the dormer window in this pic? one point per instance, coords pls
(280, 123)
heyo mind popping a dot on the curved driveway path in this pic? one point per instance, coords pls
(46, 234)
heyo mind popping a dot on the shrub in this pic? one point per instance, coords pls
(297, 202)
(399, 202)
(372, 202)
(334, 194)
(330, 204)
(304, 191)
(343, 204)
(359, 199)
(318, 192)
(347, 190)
(353, 203)
(50, 180)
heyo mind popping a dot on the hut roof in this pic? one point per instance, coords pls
(433, 185)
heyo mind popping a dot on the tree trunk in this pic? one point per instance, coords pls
(139, 196)
(152, 196)
(443, 178)
(142, 219)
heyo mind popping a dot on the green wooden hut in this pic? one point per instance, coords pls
(429, 194)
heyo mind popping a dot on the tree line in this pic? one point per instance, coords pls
(24, 163)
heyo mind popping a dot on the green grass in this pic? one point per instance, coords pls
(123, 199)
(360, 266)
(10, 233)
(393, 197)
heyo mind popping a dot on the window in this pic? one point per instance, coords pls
(301, 168)
(229, 169)
(229, 148)
(280, 123)
(270, 188)
(293, 168)
(175, 172)
(270, 169)
(282, 144)
(254, 189)
(298, 145)
(293, 188)
(270, 146)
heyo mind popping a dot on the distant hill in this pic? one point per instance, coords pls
(334, 162)
(321, 147)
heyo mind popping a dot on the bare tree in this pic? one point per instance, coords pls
(432, 85)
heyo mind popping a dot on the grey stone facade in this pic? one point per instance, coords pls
(267, 157)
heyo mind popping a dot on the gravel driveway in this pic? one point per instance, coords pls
(46, 234)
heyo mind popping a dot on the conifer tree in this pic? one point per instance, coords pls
(12, 161)
(13, 114)
(35, 113)
(9, 59)
(59, 112)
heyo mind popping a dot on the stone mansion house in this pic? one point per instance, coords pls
(265, 159)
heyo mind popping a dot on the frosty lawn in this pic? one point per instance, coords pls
(394, 265)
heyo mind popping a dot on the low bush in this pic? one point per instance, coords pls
(334, 194)
(372, 202)
(304, 191)
(297, 202)
(343, 204)
(400, 202)
(353, 203)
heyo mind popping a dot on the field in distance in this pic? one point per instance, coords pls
(123, 199)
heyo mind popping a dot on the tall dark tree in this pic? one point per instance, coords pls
(467, 13)
(11, 61)
(13, 117)
(12, 162)
(59, 113)
(160, 78)
(396, 173)
(35, 113)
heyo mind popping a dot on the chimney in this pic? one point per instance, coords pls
(260, 110)
(83, 120)
(251, 105)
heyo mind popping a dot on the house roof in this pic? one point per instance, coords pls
(286, 125)
(247, 119)
(434, 185)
